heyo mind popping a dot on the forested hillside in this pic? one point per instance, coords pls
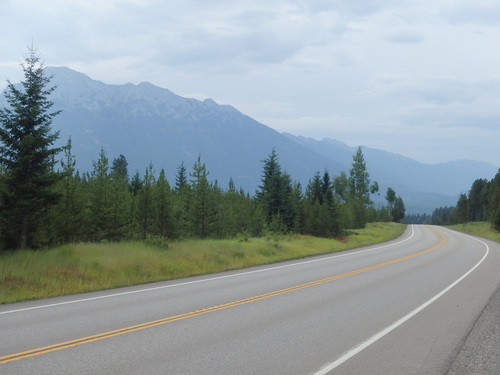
(481, 203)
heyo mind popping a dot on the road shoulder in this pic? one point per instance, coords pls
(480, 354)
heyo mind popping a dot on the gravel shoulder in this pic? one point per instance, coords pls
(480, 354)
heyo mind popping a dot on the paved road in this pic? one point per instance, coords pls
(403, 307)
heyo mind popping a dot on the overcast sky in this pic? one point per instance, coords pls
(416, 77)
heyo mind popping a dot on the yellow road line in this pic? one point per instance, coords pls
(105, 335)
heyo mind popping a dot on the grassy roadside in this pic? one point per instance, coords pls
(480, 229)
(78, 268)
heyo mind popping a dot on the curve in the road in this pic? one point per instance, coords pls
(365, 344)
(352, 352)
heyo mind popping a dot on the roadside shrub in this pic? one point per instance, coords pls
(157, 241)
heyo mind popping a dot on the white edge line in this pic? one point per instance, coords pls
(204, 280)
(365, 344)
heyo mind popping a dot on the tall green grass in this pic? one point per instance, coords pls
(77, 268)
(480, 229)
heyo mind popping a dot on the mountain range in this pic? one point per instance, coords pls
(148, 124)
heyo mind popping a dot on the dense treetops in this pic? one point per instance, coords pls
(107, 205)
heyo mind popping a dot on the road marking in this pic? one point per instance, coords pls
(365, 344)
(105, 335)
(337, 255)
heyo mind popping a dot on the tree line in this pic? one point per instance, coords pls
(481, 203)
(45, 202)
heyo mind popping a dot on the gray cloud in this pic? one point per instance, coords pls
(478, 12)
(364, 7)
(405, 37)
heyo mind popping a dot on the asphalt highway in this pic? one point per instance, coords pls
(402, 307)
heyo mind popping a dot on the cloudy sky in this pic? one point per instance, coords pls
(417, 77)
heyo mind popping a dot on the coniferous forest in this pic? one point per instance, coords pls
(45, 201)
(481, 203)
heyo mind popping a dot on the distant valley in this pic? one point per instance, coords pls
(148, 124)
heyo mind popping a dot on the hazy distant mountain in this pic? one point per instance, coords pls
(422, 186)
(147, 124)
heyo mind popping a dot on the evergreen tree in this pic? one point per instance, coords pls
(270, 194)
(275, 195)
(146, 207)
(181, 203)
(27, 155)
(321, 211)
(203, 203)
(120, 200)
(313, 190)
(462, 210)
(231, 188)
(69, 212)
(181, 178)
(135, 184)
(478, 200)
(256, 221)
(296, 198)
(119, 167)
(336, 228)
(100, 196)
(231, 212)
(162, 198)
(289, 204)
(326, 188)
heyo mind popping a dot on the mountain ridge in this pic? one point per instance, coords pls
(170, 130)
(421, 185)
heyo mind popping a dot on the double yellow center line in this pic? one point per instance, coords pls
(105, 335)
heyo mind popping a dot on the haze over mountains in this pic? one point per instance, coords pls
(146, 124)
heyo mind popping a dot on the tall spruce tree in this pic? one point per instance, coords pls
(119, 168)
(146, 207)
(163, 200)
(203, 205)
(181, 178)
(181, 203)
(462, 209)
(27, 155)
(120, 200)
(275, 195)
(68, 213)
(100, 194)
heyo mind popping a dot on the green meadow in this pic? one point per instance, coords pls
(478, 228)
